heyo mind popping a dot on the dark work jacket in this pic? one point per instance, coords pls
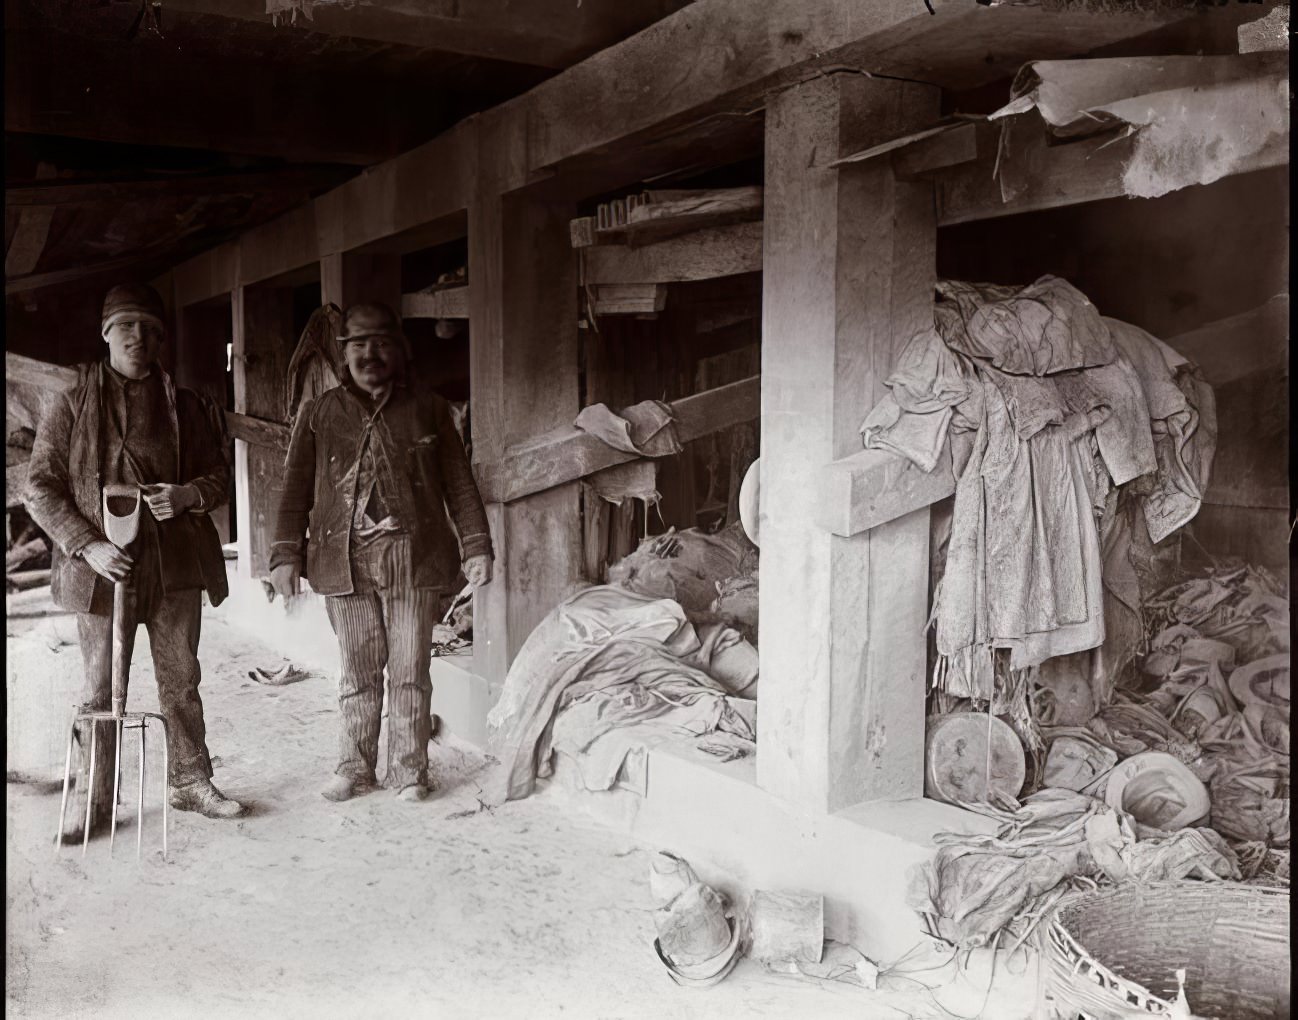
(423, 472)
(66, 476)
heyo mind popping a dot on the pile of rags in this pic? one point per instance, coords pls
(608, 674)
(1053, 412)
(979, 888)
(712, 576)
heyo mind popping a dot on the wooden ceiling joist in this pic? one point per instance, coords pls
(543, 33)
(582, 115)
(74, 190)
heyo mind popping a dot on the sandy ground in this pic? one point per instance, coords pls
(374, 908)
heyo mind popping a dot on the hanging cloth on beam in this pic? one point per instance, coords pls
(314, 367)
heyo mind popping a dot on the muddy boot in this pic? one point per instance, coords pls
(340, 788)
(206, 799)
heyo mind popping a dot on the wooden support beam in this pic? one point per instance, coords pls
(63, 83)
(1035, 175)
(541, 33)
(577, 121)
(849, 271)
(269, 435)
(446, 303)
(873, 487)
(77, 191)
(629, 299)
(263, 343)
(703, 255)
(523, 381)
(567, 454)
(349, 277)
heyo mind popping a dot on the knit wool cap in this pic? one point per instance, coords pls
(129, 302)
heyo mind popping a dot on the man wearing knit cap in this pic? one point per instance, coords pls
(126, 422)
(373, 467)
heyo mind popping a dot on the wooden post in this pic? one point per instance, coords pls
(263, 345)
(202, 331)
(348, 277)
(523, 381)
(848, 274)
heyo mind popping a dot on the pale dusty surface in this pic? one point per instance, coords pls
(374, 908)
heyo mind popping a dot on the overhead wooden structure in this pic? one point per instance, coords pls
(860, 172)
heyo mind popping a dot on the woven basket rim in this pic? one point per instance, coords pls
(1065, 951)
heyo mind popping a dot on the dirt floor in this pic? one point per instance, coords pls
(373, 908)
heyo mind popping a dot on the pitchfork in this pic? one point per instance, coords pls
(121, 525)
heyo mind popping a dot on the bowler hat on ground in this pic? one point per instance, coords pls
(131, 302)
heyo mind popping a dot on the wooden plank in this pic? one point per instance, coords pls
(77, 191)
(849, 270)
(702, 255)
(89, 98)
(629, 299)
(270, 435)
(540, 33)
(566, 454)
(55, 277)
(1035, 175)
(658, 215)
(446, 303)
(873, 487)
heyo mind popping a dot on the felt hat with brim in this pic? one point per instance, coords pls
(368, 319)
(371, 318)
(131, 303)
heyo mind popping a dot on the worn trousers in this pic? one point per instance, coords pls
(386, 623)
(173, 622)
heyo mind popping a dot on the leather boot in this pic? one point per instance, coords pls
(206, 799)
(340, 788)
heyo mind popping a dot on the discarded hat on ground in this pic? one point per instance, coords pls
(669, 876)
(708, 973)
(131, 302)
(697, 942)
(1158, 791)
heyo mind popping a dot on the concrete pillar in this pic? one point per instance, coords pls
(848, 273)
(523, 381)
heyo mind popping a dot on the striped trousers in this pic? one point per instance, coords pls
(386, 623)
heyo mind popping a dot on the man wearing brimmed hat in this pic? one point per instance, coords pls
(373, 467)
(126, 422)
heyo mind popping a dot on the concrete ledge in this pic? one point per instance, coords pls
(461, 697)
(740, 838)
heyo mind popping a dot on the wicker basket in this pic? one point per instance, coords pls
(1115, 952)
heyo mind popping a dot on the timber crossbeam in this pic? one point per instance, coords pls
(567, 454)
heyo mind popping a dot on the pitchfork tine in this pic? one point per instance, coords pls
(90, 789)
(139, 803)
(117, 781)
(166, 786)
(67, 776)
